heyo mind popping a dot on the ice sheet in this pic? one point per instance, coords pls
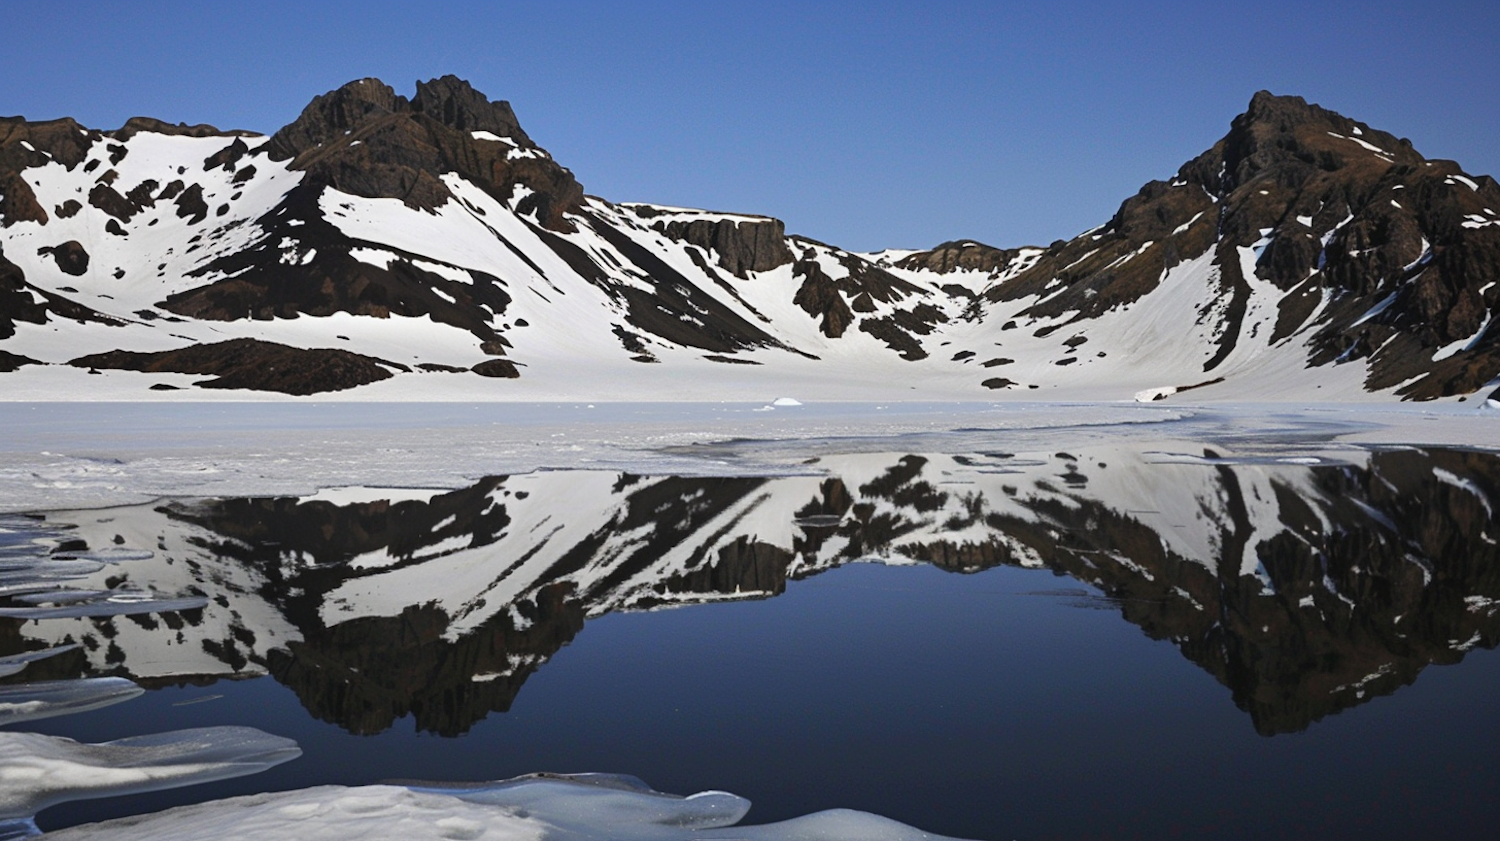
(54, 456)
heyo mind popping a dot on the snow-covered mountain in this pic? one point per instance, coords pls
(1305, 589)
(427, 247)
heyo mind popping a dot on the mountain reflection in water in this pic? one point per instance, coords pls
(1304, 588)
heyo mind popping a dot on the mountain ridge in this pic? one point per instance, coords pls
(1304, 255)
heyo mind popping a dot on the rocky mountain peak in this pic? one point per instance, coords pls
(367, 140)
(1286, 131)
(337, 112)
(454, 103)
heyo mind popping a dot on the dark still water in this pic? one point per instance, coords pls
(1113, 643)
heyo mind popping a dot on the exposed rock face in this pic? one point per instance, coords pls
(261, 284)
(501, 368)
(1329, 206)
(21, 301)
(742, 246)
(26, 144)
(13, 361)
(961, 254)
(252, 364)
(366, 140)
(70, 256)
(151, 124)
(819, 297)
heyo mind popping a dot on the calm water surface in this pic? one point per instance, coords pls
(1123, 642)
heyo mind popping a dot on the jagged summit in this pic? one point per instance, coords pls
(379, 241)
(365, 139)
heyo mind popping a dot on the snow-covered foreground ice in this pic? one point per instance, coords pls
(556, 808)
(73, 456)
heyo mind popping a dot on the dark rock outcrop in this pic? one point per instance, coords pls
(254, 364)
(965, 255)
(819, 297)
(135, 125)
(742, 246)
(261, 283)
(365, 139)
(13, 361)
(70, 257)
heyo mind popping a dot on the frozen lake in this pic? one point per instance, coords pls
(1024, 621)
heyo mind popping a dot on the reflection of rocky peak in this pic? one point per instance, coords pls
(1304, 589)
(365, 139)
(1365, 577)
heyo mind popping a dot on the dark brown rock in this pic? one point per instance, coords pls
(742, 246)
(255, 365)
(70, 257)
(258, 283)
(966, 255)
(190, 204)
(819, 297)
(109, 200)
(18, 201)
(135, 125)
(227, 157)
(366, 140)
(502, 368)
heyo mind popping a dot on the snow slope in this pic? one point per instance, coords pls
(480, 271)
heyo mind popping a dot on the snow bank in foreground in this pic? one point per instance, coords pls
(581, 808)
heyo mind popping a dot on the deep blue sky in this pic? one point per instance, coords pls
(865, 125)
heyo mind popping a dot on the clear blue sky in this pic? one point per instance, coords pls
(865, 125)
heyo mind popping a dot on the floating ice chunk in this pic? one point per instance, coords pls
(37, 771)
(62, 596)
(31, 701)
(786, 401)
(112, 603)
(585, 803)
(16, 572)
(583, 807)
(13, 663)
(110, 555)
